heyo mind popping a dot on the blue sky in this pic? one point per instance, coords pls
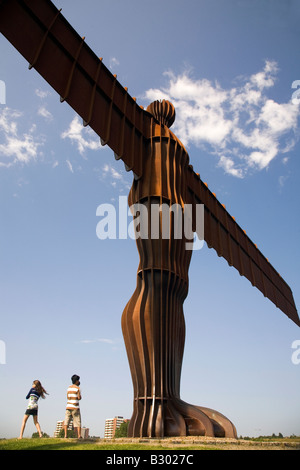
(228, 67)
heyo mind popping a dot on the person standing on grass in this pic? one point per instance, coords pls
(36, 391)
(72, 408)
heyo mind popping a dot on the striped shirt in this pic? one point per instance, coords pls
(73, 397)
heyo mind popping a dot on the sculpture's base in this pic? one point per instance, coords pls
(171, 417)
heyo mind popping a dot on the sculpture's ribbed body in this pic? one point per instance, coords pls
(153, 321)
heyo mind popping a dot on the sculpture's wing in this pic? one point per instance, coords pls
(48, 42)
(222, 233)
(37, 29)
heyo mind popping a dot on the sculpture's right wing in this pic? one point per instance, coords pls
(37, 29)
(222, 233)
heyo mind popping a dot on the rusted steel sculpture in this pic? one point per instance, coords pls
(153, 321)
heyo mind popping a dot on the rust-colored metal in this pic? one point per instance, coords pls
(38, 30)
(153, 320)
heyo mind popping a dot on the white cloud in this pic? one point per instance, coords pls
(100, 340)
(282, 180)
(43, 112)
(244, 128)
(42, 94)
(8, 121)
(279, 118)
(70, 166)
(228, 165)
(114, 177)
(83, 137)
(17, 147)
(113, 62)
(266, 78)
(107, 169)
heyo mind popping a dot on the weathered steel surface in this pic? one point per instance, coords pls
(232, 243)
(48, 42)
(153, 320)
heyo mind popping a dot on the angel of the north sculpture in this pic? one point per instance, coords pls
(153, 320)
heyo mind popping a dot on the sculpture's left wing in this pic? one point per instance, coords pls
(38, 30)
(222, 233)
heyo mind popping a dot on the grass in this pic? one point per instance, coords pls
(74, 444)
(149, 445)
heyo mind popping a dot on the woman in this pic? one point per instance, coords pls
(33, 395)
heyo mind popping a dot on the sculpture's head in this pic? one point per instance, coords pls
(163, 111)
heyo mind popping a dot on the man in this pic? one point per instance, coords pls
(72, 408)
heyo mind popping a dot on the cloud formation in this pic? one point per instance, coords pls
(70, 166)
(117, 179)
(244, 128)
(83, 137)
(112, 342)
(98, 340)
(15, 146)
(43, 112)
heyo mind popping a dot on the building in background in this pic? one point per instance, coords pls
(59, 426)
(111, 424)
(85, 433)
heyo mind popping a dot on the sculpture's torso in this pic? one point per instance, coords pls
(153, 322)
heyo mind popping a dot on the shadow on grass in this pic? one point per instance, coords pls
(40, 444)
(56, 446)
